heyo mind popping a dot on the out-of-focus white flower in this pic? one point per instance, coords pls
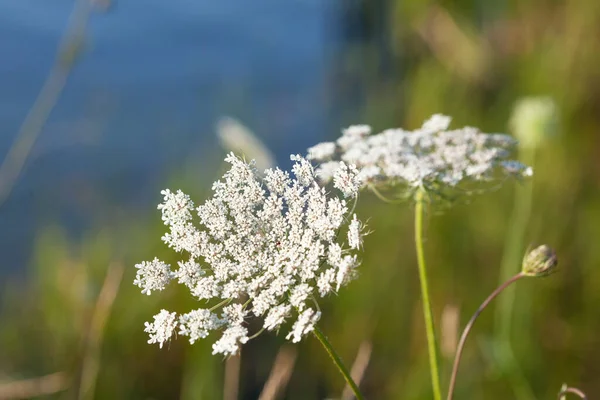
(533, 120)
(236, 137)
(322, 151)
(429, 157)
(262, 246)
(327, 170)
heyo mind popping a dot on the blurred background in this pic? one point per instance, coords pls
(132, 102)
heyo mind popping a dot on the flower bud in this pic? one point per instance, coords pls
(533, 120)
(540, 261)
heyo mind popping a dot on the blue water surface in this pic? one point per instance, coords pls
(144, 97)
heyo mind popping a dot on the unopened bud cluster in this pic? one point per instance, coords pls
(540, 261)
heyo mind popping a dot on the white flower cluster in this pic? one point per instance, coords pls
(263, 247)
(431, 156)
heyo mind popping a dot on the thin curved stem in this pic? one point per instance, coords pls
(465, 334)
(427, 314)
(338, 362)
(220, 304)
(380, 195)
(257, 334)
(572, 390)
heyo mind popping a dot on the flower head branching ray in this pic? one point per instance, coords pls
(259, 247)
(432, 157)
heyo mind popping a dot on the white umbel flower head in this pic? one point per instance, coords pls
(153, 275)
(162, 328)
(304, 324)
(355, 233)
(346, 180)
(322, 151)
(431, 157)
(263, 246)
(197, 324)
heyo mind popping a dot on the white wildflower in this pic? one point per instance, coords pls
(357, 130)
(299, 294)
(368, 174)
(321, 152)
(352, 135)
(305, 324)
(431, 157)
(354, 235)
(162, 328)
(207, 288)
(177, 207)
(277, 316)
(334, 255)
(346, 180)
(303, 170)
(234, 314)
(258, 248)
(436, 123)
(189, 273)
(153, 275)
(345, 271)
(325, 281)
(229, 343)
(327, 170)
(197, 324)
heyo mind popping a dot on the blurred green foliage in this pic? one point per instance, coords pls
(468, 59)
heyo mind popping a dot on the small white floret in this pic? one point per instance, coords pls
(198, 324)
(162, 328)
(354, 234)
(153, 275)
(346, 180)
(305, 324)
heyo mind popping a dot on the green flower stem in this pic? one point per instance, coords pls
(431, 342)
(338, 362)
